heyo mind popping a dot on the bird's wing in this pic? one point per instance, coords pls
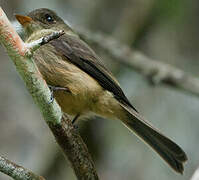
(81, 55)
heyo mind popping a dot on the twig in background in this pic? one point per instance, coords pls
(158, 72)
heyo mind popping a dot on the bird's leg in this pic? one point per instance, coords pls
(75, 119)
(56, 88)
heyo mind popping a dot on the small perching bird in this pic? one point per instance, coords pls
(82, 85)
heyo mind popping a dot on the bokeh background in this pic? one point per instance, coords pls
(165, 30)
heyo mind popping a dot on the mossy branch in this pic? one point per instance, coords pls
(67, 137)
(17, 172)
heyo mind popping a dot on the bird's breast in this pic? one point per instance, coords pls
(84, 90)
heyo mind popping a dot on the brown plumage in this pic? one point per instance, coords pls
(69, 62)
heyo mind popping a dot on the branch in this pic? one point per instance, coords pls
(68, 139)
(17, 172)
(78, 151)
(158, 72)
(195, 175)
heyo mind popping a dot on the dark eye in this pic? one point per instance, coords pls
(49, 18)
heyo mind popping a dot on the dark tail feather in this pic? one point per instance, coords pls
(166, 148)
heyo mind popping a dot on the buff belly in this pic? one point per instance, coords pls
(85, 96)
(103, 104)
(73, 104)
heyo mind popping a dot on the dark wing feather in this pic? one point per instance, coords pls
(81, 55)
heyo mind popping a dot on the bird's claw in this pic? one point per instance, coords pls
(55, 88)
(75, 126)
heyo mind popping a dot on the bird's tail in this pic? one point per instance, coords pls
(166, 148)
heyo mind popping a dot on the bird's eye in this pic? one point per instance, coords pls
(49, 18)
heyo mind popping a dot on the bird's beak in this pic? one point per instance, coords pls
(23, 20)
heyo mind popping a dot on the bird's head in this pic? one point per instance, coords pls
(42, 20)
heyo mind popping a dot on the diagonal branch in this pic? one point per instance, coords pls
(195, 175)
(17, 172)
(158, 72)
(68, 139)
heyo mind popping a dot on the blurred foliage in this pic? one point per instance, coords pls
(169, 9)
(165, 30)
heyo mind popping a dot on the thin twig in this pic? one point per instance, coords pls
(158, 72)
(33, 46)
(62, 128)
(17, 172)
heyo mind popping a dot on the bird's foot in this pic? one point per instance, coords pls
(56, 88)
(74, 120)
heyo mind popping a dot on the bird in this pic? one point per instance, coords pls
(83, 86)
